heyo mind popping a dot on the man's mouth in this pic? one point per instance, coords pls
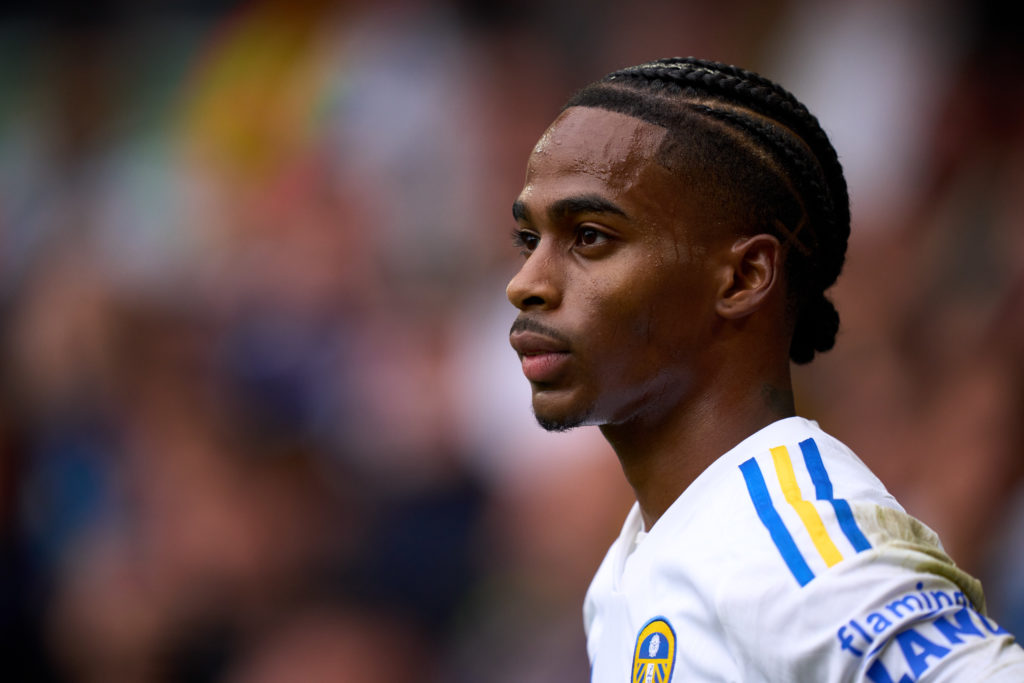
(542, 355)
(543, 367)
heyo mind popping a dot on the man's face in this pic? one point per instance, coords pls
(616, 295)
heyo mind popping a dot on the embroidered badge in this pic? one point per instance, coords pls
(655, 652)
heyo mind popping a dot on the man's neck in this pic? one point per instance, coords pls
(661, 458)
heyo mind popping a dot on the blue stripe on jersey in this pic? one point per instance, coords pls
(770, 518)
(823, 490)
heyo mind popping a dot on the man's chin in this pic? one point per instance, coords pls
(560, 423)
(560, 411)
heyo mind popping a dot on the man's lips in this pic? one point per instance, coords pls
(543, 367)
(529, 343)
(542, 357)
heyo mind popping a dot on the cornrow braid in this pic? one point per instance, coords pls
(786, 141)
(758, 93)
(792, 162)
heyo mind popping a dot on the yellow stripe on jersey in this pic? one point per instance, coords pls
(807, 512)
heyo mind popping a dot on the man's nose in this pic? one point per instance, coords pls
(537, 284)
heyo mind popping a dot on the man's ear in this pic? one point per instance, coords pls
(750, 274)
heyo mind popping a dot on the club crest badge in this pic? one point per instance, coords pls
(655, 652)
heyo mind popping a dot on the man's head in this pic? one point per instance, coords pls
(669, 206)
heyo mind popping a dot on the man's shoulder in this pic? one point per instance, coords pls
(790, 496)
(798, 460)
(786, 505)
(791, 533)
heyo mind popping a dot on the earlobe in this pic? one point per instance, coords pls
(749, 276)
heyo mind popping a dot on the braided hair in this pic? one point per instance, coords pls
(762, 160)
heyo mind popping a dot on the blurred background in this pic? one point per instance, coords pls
(259, 421)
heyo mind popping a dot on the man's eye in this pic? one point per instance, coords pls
(587, 237)
(526, 241)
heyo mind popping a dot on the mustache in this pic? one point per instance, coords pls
(522, 324)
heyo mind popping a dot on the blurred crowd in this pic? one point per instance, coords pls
(259, 420)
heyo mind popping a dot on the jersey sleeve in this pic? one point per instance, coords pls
(899, 611)
(830, 589)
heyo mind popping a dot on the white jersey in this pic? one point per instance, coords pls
(787, 560)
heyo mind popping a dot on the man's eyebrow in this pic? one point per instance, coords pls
(519, 210)
(584, 203)
(568, 206)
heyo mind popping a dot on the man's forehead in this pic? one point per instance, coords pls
(595, 153)
(587, 138)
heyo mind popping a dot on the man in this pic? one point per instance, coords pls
(681, 221)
